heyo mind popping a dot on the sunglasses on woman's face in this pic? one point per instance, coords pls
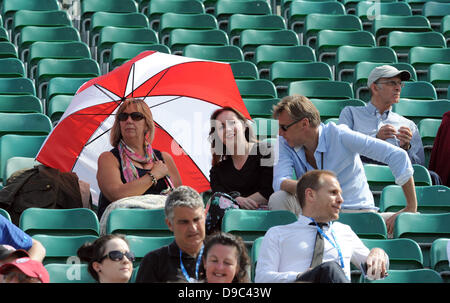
(136, 116)
(116, 255)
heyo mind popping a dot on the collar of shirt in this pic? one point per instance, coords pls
(321, 146)
(374, 111)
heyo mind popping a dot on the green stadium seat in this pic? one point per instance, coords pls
(159, 7)
(417, 110)
(428, 128)
(179, 38)
(11, 68)
(244, 70)
(265, 128)
(367, 225)
(124, 51)
(7, 50)
(55, 50)
(18, 146)
(69, 273)
(403, 253)
(226, 8)
(328, 41)
(254, 253)
(260, 108)
(51, 18)
(223, 53)
(24, 124)
(439, 76)
(300, 9)
(171, 21)
(424, 229)
(317, 22)
(266, 55)
(439, 258)
(101, 19)
(138, 222)
(73, 68)
(59, 222)
(435, 11)
(421, 90)
(362, 71)
(430, 199)
(383, 25)
(18, 163)
(57, 105)
(408, 276)
(141, 246)
(5, 214)
(17, 86)
(58, 249)
(90, 7)
(110, 35)
(20, 104)
(347, 56)
(422, 57)
(239, 22)
(252, 38)
(402, 42)
(321, 89)
(31, 34)
(64, 86)
(283, 73)
(332, 108)
(10, 7)
(445, 29)
(367, 11)
(256, 89)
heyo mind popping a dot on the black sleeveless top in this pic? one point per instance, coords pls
(161, 185)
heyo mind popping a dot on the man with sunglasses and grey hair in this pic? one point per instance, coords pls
(306, 144)
(180, 261)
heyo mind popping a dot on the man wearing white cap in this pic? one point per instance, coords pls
(376, 119)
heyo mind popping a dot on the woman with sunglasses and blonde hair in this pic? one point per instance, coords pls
(109, 259)
(133, 167)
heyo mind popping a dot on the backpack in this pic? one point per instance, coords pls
(215, 209)
(42, 187)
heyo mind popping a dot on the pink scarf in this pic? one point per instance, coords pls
(127, 154)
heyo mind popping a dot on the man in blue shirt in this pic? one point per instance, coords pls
(11, 235)
(306, 144)
(376, 119)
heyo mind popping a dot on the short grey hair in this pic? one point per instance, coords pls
(184, 196)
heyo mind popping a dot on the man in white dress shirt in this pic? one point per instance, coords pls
(286, 252)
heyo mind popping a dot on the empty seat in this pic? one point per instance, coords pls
(417, 110)
(62, 222)
(226, 8)
(422, 90)
(17, 86)
(124, 51)
(266, 55)
(317, 22)
(435, 11)
(11, 68)
(10, 7)
(69, 273)
(422, 57)
(428, 129)
(64, 86)
(423, 275)
(383, 25)
(430, 199)
(332, 108)
(367, 11)
(321, 89)
(56, 107)
(445, 29)
(439, 76)
(244, 70)
(402, 42)
(239, 22)
(7, 50)
(24, 124)
(439, 258)
(260, 108)
(138, 222)
(367, 225)
(20, 104)
(403, 253)
(171, 21)
(283, 73)
(347, 56)
(224, 53)
(159, 7)
(250, 39)
(258, 88)
(179, 38)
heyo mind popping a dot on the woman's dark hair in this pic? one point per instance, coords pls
(249, 135)
(235, 241)
(93, 251)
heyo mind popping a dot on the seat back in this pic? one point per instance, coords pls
(17, 86)
(408, 276)
(321, 89)
(138, 222)
(258, 88)
(141, 246)
(366, 225)
(179, 38)
(239, 22)
(261, 108)
(402, 42)
(226, 8)
(11, 68)
(416, 110)
(367, 11)
(5, 214)
(62, 222)
(434, 11)
(265, 128)
(332, 108)
(223, 53)
(158, 7)
(385, 24)
(9, 8)
(439, 76)
(124, 51)
(69, 273)
(439, 256)
(24, 124)
(422, 57)
(254, 255)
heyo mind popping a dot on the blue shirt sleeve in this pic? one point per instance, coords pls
(14, 236)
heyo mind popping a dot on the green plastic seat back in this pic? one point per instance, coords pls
(69, 273)
(223, 53)
(332, 108)
(142, 245)
(366, 225)
(321, 89)
(409, 276)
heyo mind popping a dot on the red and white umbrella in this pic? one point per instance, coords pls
(181, 92)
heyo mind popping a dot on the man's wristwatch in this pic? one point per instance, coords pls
(154, 180)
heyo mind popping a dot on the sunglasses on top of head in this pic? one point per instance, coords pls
(116, 255)
(135, 116)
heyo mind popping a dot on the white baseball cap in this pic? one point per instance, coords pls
(387, 71)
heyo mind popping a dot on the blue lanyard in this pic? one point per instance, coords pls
(334, 243)
(197, 267)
